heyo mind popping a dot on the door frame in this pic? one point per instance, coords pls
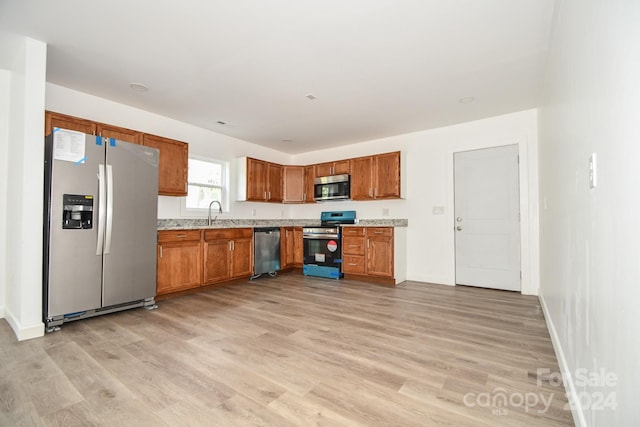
(528, 188)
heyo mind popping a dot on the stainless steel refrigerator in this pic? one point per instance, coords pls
(100, 226)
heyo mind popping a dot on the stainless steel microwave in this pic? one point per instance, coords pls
(335, 187)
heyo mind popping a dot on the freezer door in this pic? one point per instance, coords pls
(74, 266)
(131, 228)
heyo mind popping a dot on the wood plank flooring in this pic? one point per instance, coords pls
(292, 351)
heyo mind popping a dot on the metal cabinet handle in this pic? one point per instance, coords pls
(269, 196)
(160, 251)
(367, 243)
(180, 236)
(352, 263)
(265, 195)
(378, 232)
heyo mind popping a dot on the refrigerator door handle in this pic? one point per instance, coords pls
(107, 244)
(101, 210)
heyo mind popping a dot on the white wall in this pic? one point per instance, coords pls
(427, 164)
(23, 197)
(590, 238)
(5, 81)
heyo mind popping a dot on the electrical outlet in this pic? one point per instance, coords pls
(385, 211)
(253, 212)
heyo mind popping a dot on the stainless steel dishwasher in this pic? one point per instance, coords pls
(266, 251)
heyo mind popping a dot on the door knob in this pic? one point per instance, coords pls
(459, 228)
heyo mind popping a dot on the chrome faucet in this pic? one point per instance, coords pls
(219, 211)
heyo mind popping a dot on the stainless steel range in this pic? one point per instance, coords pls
(322, 245)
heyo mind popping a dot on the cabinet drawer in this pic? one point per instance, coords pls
(178, 235)
(227, 233)
(353, 264)
(352, 231)
(353, 245)
(380, 231)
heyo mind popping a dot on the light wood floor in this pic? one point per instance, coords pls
(292, 351)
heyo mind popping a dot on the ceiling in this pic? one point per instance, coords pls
(376, 68)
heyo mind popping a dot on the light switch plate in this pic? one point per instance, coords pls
(593, 171)
(438, 210)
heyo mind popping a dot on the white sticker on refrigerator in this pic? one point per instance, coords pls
(319, 257)
(68, 145)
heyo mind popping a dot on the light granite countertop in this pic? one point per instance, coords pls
(201, 223)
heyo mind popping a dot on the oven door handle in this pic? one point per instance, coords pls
(321, 236)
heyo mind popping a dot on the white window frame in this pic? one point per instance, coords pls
(204, 212)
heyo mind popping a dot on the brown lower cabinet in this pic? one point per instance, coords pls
(179, 260)
(368, 252)
(189, 259)
(228, 254)
(290, 247)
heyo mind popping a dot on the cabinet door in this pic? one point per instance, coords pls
(274, 179)
(179, 266)
(298, 255)
(353, 245)
(362, 178)
(380, 256)
(353, 264)
(241, 257)
(119, 133)
(286, 247)
(57, 120)
(342, 167)
(387, 175)
(309, 176)
(324, 169)
(333, 168)
(293, 184)
(256, 180)
(217, 259)
(174, 163)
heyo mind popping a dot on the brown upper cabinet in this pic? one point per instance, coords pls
(309, 176)
(386, 176)
(263, 181)
(372, 177)
(376, 177)
(57, 120)
(174, 155)
(297, 184)
(274, 183)
(173, 165)
(293, 184)
(339, 167)
(119, 133)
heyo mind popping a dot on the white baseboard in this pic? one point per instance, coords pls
(23, 332)
(567, 375)
(431, 279)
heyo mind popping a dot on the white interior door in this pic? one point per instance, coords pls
(487, 218)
